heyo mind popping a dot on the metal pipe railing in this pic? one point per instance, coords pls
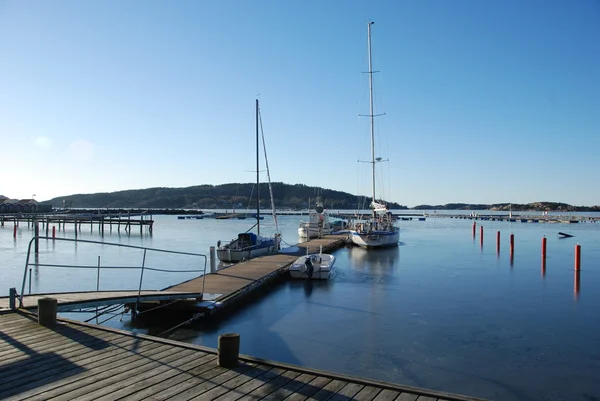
(98, 266)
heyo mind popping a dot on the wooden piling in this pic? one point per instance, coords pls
(228, 350)
(577, 257)
(47, 311)
(474, 225)
(498, 242)
(512, 243)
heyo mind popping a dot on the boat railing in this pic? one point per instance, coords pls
(142, 267)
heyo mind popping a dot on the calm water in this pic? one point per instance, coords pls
(439, 311)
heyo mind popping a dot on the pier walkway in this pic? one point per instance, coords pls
(203, 295)
(79, 361)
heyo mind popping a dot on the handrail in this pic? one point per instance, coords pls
(142, 267)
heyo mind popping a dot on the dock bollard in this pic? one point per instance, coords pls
(47, 311)
(229, 350)
(213, 261)
(12, 298)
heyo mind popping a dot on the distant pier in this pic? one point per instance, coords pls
(522, 218)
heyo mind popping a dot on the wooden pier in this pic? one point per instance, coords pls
(232, 284)
(201, 296)
(79, 361)
(46, 221)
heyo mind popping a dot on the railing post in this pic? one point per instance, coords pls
(98, 276)
(141, 279)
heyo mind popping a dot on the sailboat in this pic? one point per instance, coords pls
(249, 245)
(379, 230)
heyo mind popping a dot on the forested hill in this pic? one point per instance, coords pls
(226, 196)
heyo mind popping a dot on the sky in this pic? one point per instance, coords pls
(484, 101)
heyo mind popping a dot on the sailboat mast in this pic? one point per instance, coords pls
(257, 175)
(372, 118)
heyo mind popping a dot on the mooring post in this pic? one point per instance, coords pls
(12, 298)
(229, 350)
(213, 261)
(47, 311)
(37, 237)
(47, 226)
(577, 257)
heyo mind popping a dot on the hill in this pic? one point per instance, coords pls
(225, 196)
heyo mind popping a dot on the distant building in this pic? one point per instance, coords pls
(21, 206)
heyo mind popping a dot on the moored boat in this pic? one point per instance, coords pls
(314, 266)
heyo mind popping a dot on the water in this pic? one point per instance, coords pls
(439, 311)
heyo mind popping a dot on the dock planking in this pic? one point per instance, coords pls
(231, 281)
(79, 361)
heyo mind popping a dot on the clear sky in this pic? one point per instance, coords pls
(485, 101)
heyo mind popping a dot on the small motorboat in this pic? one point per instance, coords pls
(313, 266)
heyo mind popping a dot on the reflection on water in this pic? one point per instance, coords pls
(378, 260)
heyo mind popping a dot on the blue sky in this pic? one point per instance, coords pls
(485, 101)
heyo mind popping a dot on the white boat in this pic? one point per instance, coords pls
(314, 266)
(318, 223)
(379, 229)
(248, 245)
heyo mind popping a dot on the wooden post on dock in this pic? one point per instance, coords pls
(47, 311)
(54, 231)
(213, 260)
(229, 350)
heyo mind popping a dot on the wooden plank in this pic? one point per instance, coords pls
(173, 378)
(39, 363)
(425, 398)
(347, 392)
(62, 378)
(368, 393)
(408, 397)
(329, 390)
(251, 385)
(387, 395)
(106, 372)
(285, 377)
(206, 385)
(140, 380)
(133, 371)
(232, 383)
(44, 340)
(290, 387)
(309, 389)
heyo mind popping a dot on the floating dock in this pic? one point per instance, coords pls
(75, 360)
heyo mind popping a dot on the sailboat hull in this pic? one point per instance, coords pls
(375, 239)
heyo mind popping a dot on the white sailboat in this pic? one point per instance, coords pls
(248, 245)
(379, 230)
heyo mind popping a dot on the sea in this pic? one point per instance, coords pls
(443, 310)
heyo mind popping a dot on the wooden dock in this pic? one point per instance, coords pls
(233, 283)
(62, 221)
(201, 296)
(79, 361)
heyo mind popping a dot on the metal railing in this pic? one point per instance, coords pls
(142, 268)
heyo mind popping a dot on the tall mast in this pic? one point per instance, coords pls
(257, 173)
(372, 118)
